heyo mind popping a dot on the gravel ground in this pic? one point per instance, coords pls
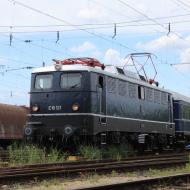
(86, 180)
(69, 184)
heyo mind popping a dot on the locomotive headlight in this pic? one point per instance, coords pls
(35, 108)
(75, 107)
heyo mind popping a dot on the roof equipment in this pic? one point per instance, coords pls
(140, 67)
(83, 61)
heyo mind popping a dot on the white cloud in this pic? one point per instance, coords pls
(113, 57)
(78, 12)
(96, 54)
(185, 56)
(91, 14)
(142, 7)
(86, 46)
(171, 41)
(185, 60)
(86, 49)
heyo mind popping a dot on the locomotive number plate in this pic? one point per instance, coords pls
(53, 108)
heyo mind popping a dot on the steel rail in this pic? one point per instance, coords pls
(138, 158)
(74, 168)
(99, 162)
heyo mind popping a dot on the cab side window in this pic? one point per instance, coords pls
(70, 80)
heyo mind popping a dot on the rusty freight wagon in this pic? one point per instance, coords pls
(12, 123)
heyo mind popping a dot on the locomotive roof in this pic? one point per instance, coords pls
(108, 72)
(177, 96)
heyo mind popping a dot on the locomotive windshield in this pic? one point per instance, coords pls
(70, 80)
(44, 81)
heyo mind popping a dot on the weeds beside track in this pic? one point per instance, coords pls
(102, 166)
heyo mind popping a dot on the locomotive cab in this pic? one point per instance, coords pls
(61, 101)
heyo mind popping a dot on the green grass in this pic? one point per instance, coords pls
(90, 152)
(55, 155)
(111, 152)
(118, 152)
(21, 154)
(30, 154)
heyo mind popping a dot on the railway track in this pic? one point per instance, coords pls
(75, 168)
(4, 155)
(173, 181)
(4, 158)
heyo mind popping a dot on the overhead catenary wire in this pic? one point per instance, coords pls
(101, 24)
(19, 50)
(18, 61)
(179, 22)
(185, 4)
(7, 69)
(39, 46)
(105, 23)
(73, 25)
(120, 13)
(180, 64)
(148, 18)
(179, 5)
(153, 20)
(69, 24)
(46, 14)
(141, 13)
(89, 28)
(29, 65)
(18, 68)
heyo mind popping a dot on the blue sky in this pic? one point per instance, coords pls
(141, 26)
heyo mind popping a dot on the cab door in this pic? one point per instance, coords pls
(101, 90)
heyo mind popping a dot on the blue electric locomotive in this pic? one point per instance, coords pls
(82, 101)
